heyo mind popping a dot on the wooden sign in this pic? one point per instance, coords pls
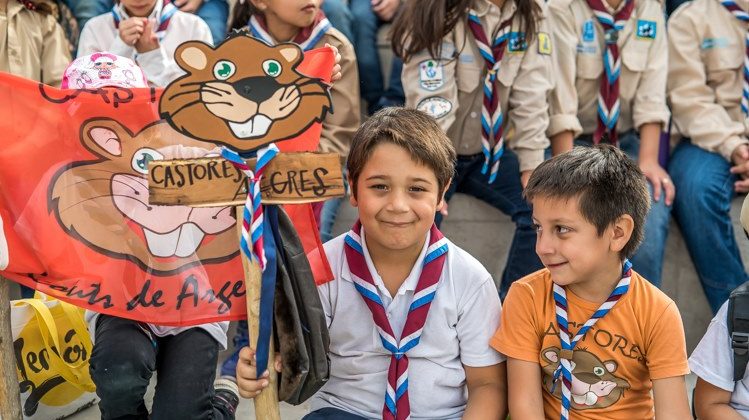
(290, 178)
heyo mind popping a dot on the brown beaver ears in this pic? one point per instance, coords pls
(104, 137)
(192, 55)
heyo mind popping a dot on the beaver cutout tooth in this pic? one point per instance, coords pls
(181, 242)
(254, 127)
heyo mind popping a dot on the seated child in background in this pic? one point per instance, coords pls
(126, 353)
(147, 32)
(587, 334)
(717, 394)
(395, 267)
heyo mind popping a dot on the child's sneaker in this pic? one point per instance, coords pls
(226, 397)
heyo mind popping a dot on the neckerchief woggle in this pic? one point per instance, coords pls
(609, 104)
(163, 17)
(397, 406)
(256, 245)
(565, 355)
(306, 38)
(492, 137)
(743, 16)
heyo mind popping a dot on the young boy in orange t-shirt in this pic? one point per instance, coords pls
(588, 335)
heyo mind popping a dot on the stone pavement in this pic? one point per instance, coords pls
(484, 232)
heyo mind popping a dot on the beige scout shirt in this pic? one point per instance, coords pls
(339, 127)
(32, 45)
(579, 39)
(707, 53)
(451, 88)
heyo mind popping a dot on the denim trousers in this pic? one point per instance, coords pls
(330, 413)
(648, 259)
(214, 12)
(704, 190)
(125, 357)
(506, 195)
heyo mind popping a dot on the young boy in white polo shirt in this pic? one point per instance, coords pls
(389, 360)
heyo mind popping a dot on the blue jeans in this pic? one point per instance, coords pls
(364, 28)
(506, 195)
(329, 413)
(648, 259)
(214, 12)
(340, 17)
(704, 190)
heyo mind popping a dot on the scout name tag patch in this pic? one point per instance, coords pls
(544, 43)
(435, 106)
(646, 29)
(516, 43)
(430, 75)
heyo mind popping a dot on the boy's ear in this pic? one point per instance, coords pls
(621, 232)
(352, 192)
(441, 203)
(259, 4)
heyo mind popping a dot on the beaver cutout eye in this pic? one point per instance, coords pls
(272, 68)
(142, 157)
(224, 69)
(598, 371)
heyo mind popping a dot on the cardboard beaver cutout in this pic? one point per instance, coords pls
(104, 202)
(594, 384)
(244, 94)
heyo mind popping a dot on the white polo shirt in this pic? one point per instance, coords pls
(712, 361)
(463, 317)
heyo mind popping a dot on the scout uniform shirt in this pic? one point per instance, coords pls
(451, 88)
(579, 39)
(32, 45)
(705, 76)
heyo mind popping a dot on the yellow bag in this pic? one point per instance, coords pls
(52, 348)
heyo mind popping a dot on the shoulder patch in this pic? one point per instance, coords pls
(544, 43)
(430, 75)
(516, 43)
(436, 106)
(646, 29)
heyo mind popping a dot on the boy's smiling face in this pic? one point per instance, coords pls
(397, 199)
(570, 246)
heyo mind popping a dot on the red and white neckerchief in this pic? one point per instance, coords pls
(396, 405)
(306, 38)
(609, 105)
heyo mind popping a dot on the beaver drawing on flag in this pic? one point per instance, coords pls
(104, 202)
(594, 384)
(244, 94)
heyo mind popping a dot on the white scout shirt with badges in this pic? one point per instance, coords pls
(450, 87)
(580, 42)
(705, 76)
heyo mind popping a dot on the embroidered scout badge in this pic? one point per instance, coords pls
(430, 75)
(435, 106)
(516, 44)
(646, 29)
(710, 43)
(544, 43)
(589, 31)
(588, 44)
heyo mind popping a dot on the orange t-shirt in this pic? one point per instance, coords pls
(640, 339)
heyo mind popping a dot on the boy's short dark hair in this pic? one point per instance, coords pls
(607, 182)
(410, 129)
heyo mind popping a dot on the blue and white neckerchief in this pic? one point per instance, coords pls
(307, 37)
(163, 13)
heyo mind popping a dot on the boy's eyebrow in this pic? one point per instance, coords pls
(385, 177)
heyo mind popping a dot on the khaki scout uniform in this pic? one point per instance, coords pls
(580, 43)
(451, 88)
(705, 75)
(339, 127)
(32, 45)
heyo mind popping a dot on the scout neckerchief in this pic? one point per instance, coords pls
(744, 17)
(608, 96)
(565, 356)
(491, 110)
(163, 17)
(306, 38)
(396, 405)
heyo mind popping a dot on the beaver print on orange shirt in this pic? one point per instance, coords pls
(244, 94)
(104, 202)
(594, 384)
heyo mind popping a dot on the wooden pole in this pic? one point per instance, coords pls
(10, 398)
(266, 404)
